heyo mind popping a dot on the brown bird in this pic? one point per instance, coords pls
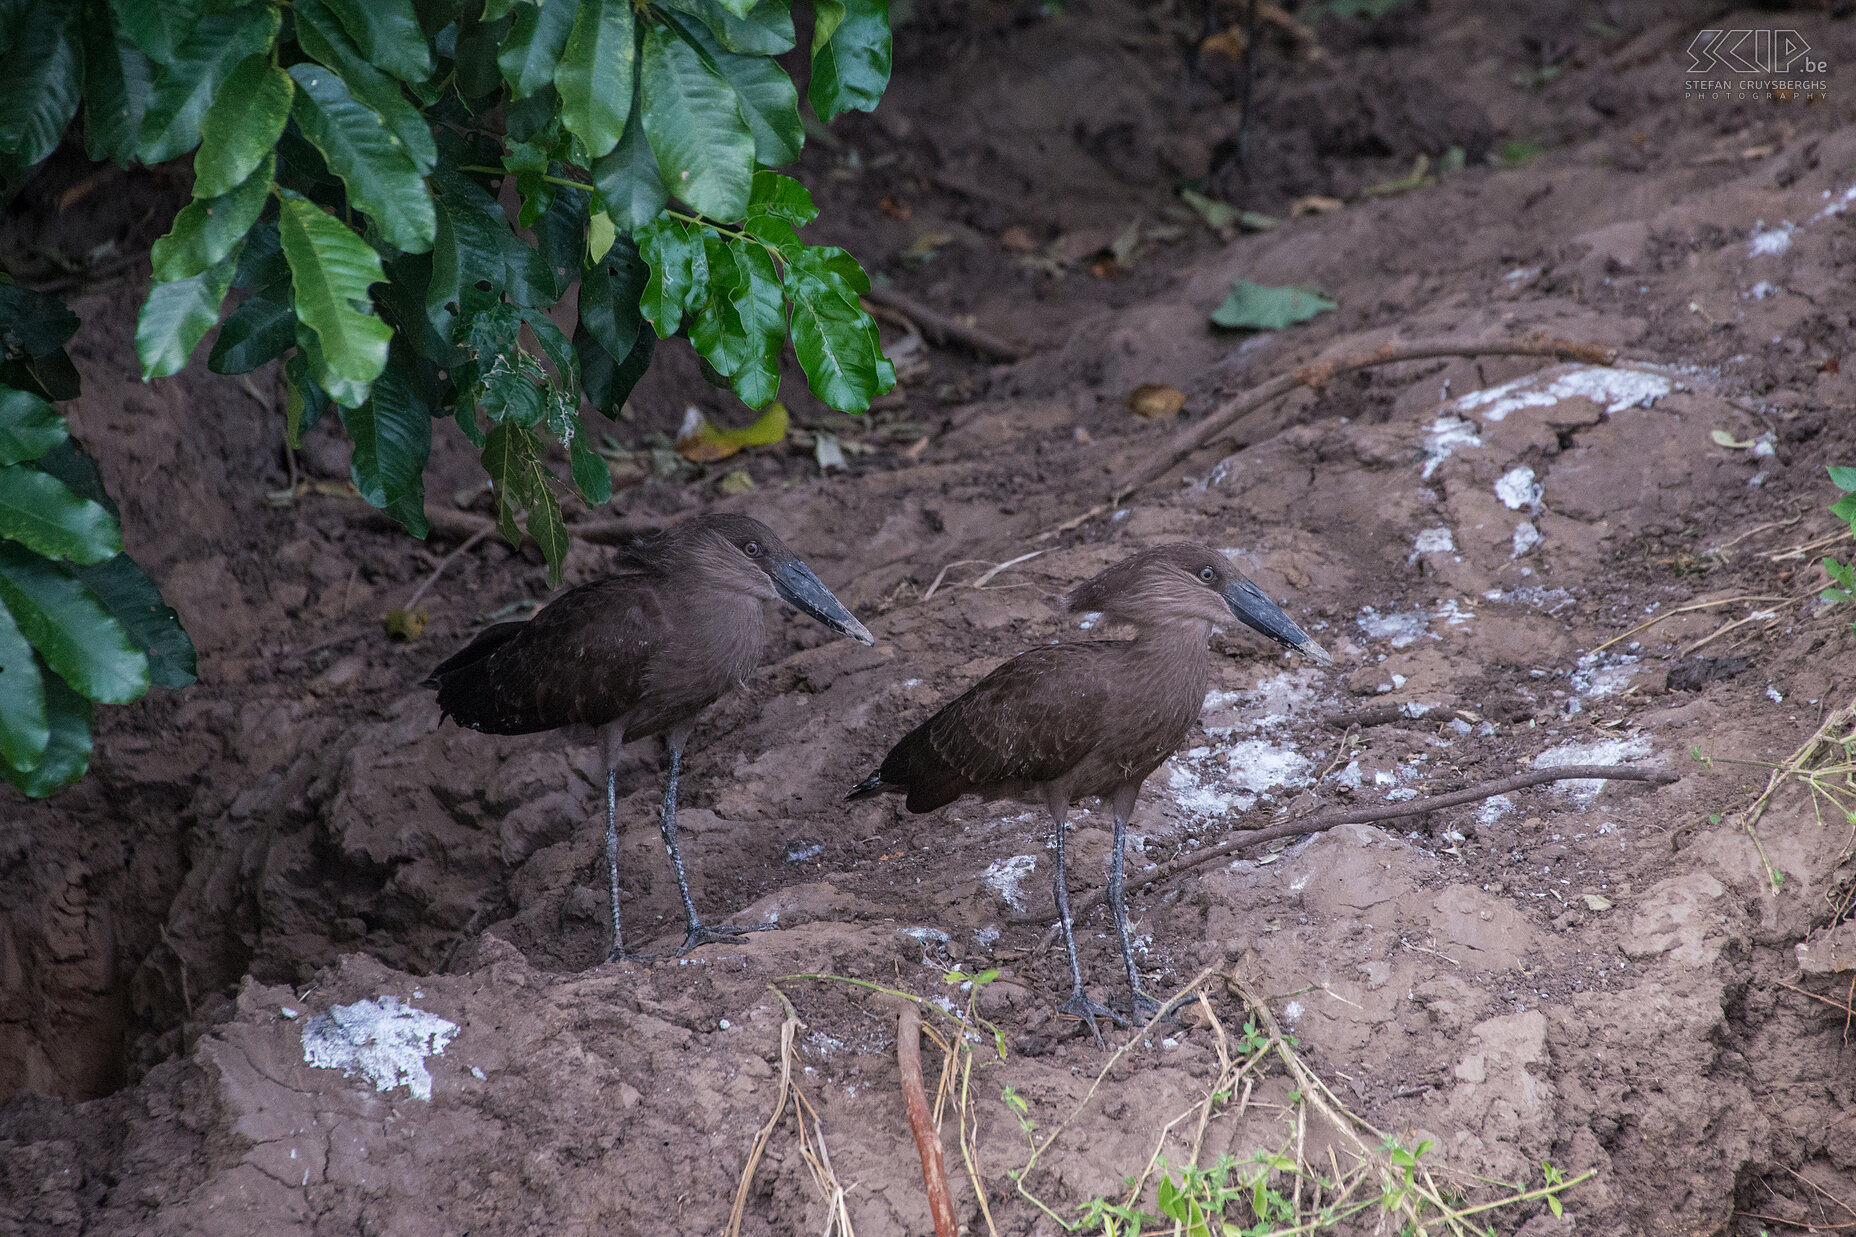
(1068, 721)
(641, 653)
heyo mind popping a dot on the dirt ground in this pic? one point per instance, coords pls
(1604, 979)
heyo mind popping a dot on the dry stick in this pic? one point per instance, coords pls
(787, 1030)
(1319, 373)
(944, 330)
(463, 548)
(1688, 609)
(1365, 816)
(921, 1121)
(623, 530)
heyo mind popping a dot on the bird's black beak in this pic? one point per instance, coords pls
(1259, 613)
(795, 582)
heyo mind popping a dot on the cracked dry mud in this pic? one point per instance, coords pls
(1584, 974)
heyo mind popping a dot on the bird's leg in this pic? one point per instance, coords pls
(1079, 1005)
(695, 931)
(1142, 1006)
(612, 859)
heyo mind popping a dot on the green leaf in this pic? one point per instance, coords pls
(693, 120)
(560, 239)
(600, 236)
(178, 315)
(240, 129)
(331, 270)
(679, 273)
(591, 476)
(259, 330)
(33, 323)
(468, 271)
(630, 189)
(186, 87)
(132, 598)
(69, 627)
(760, 305)
(28, 426)
(768, 99)
(1252, 306)
(320, 34)
(304, 399)
(608, 383)
(545, 525)
(43, 83)
(388, 33)
(392, 436)
(37, 511)
(1845, 508)
(118, 82)
(782, 197)
(509, 457)
(609, 296)
(381, 177)
(594, 76)
(493, 9)
(1842, 476)
(534, 44)
(24, 731)
(67, 753)
(208, 229)
(850, 55)
(766, 30)
(159, 27)
(834, 345)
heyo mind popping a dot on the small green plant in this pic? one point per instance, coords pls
(1842, 575)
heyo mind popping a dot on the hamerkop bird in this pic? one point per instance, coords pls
(1064, 722)
(641, 653)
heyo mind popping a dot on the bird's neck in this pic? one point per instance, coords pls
(1174, 652)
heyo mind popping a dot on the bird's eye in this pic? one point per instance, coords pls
(1208, 575)
(751, 549)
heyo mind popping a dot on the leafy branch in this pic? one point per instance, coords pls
(349, 160)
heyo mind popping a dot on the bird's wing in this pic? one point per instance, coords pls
(581, 659)
(1030, 720)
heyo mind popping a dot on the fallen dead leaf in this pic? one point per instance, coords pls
(1597, 902)
(1156, 399)
(1018, 239)
(1225, 43)
(700, 442)
(1313, 204)
(736, 482)
(407, 624)
(894, 209)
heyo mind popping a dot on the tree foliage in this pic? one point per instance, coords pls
(79, 621)
(352, 160)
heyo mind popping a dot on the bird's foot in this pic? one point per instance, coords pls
(1146, 1009)
(718, 934)
(1080, 1006)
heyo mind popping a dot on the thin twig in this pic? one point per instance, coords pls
(1319, 373)
(1688, 609)
(464, 547)
(944, 330)
(921, 1121)
(1364, 816)
(787, 1030)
